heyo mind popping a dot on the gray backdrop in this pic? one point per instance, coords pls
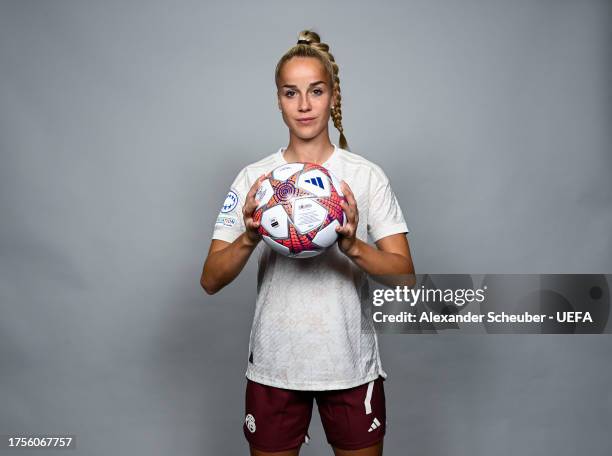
(122, 125)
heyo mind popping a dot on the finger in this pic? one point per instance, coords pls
(252, 190)
(349, 195)
(350, 202)
(345, 188)
(345, 209)
(353, 207)
(255, 186)
(252, 224)
(251, 199)
(347, 227)
(345, 231)
(354, 212)
(250, 202)
(349, 211)
(249, 207)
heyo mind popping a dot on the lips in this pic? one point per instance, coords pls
(306, 120)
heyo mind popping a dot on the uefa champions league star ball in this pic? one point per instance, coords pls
(299, 209)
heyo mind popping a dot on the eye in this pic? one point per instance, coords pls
(289, 93)
(318, 91)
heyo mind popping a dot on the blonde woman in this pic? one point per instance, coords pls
(309, 339)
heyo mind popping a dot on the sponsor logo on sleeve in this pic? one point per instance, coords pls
(230, 203)
(225, 220)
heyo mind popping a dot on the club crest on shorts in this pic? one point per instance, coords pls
(231, 200)
(250, 423)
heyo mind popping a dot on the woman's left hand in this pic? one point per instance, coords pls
(348, 232)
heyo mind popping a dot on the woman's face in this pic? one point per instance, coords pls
(304, 93)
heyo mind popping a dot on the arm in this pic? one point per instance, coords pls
(225, 260)
(391, 258)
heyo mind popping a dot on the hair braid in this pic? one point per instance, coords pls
(310, 45)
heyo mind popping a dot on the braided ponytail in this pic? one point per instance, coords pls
(309, 45)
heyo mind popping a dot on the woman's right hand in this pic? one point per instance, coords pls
(249, 207)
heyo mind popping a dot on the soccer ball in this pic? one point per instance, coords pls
(299, 209)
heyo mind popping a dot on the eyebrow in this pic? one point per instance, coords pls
(291, 86)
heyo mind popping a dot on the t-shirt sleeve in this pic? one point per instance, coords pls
(385, 214)
(230, 224)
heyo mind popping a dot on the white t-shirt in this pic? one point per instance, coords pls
(307, 329)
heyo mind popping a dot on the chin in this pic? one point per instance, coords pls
(307, 132)
(306, 136)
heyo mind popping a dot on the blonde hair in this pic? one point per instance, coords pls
(310, 45)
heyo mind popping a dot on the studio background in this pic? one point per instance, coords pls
(122, 125)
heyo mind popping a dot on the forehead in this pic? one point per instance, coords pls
(302, 70)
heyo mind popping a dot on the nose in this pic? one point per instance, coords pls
(304, 104)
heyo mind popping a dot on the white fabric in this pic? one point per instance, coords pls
(307, 328)
(368, 399)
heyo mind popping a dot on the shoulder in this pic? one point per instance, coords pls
(249, 173)
(358, 164)
(265, 164)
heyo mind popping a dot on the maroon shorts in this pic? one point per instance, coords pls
(277, 419)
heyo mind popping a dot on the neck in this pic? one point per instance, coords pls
(315, 150)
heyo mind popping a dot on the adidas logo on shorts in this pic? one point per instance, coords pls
(250, 423)
(375, 424)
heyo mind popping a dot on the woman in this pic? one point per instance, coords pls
(310, 338)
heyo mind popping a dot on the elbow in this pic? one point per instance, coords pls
(403, 265)
(412, 280)
(409, 274)
(412, 275)
(406, 280)
(411, 270)
(209, 288)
